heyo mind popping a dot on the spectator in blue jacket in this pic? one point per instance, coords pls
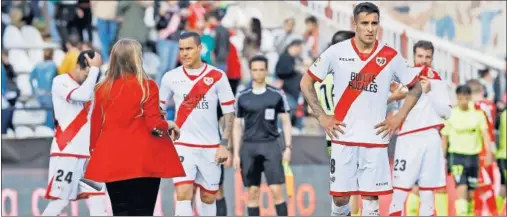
(41, 80)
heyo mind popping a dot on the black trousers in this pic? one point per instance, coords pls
(133, 197)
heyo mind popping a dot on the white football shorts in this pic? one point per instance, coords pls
(200, 167)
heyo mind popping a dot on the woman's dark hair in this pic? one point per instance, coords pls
(256, 28)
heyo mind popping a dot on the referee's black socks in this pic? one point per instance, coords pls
(281, 209)
(221, 207)
(253, 211)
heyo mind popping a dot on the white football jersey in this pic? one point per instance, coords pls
(196, 98)
(431, 108)
(72, 105)
(361, 88)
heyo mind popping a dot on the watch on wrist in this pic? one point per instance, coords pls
(224, 142)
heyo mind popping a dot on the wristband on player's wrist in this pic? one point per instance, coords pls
(224, 142)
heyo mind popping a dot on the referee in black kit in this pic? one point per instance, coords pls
(258, 107)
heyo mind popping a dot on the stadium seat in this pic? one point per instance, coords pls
(36, 55)
(20, 61)
(28, 117)
(23, 132)
(32, 103)
(19, 105)
(151, 63)
(23, 82)
(10, 134)
(13, 38)
(43, 132)
(32, 36)
(58, 56)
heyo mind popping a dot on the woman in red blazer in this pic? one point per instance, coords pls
(130, 143)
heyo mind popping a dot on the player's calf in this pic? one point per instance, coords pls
(340, 206)
(208, 206)
(184, 195)
(253, 201)
(280, 205)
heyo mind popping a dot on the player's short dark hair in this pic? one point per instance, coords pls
(311, 19)
(426, 45)
(258, 58)
(367, 7)
(212, 14)
(81, 59)
(463, 90)
(194, 35)
(342, 36)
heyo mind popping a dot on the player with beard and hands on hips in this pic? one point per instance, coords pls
(197, 89)
(359, 128)
(418, 157)
(130, 144)
(257, 148)
(72, 93)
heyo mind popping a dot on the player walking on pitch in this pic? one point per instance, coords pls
(364, 68)
(197, 88)
(418, 158)
(72, 93)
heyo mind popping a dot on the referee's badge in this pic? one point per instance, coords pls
(208, 80)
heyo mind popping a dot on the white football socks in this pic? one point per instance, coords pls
(208, 209)
(55, 207)
(184, 208)
(339, 210)
(397, 203)
(427, 207)
(97, 205)
(370, 208)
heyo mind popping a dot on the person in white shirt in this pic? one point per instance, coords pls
(196, 89)
(364, 68)
(419, 157)
(72, 94)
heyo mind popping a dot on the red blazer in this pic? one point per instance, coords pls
(121, 143)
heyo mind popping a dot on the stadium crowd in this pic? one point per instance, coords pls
(63, 29)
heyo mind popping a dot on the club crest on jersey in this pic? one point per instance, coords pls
(208, 80)
(381, 61)
(430, 73)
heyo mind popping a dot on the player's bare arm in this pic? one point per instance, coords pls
(392, 123)
(222, 152)
(328, 122)
(287, 134)
(237, 134)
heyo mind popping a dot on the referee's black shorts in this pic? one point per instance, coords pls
(258, 157)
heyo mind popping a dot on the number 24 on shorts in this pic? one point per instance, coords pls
(61, 173)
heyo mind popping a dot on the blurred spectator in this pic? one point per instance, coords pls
(312, 38)
(11, 92)
(49, 17)
(84, 20)
(41, 80)
(289, 69)
(284, 37)
(221, 38)
(65, 19)
(169, 24)
(341, 36)
(500, 89)
(197, 10)
(69, 60)
(87, 45)
(208, 45)
(253, 39)
(233, 66)
(130, 15)
(107, 26)
(487, 80)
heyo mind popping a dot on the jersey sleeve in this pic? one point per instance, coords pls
(439, 98)
(407, 75)
(283, 105)
(322, 66)
(225, 95)
(165, 92)
(74, 92)
(483, 122)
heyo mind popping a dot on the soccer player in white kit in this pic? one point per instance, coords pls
(363, 69)
(419, 156)
(72, 94)
(196, 89)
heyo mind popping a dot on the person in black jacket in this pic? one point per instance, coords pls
(221, 36)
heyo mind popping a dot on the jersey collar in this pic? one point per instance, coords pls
(364, 56)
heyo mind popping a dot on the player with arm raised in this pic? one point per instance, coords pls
(363, 69)
(72, 93)
(418, 158)
(197, 88)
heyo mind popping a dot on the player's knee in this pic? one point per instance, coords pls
(207, 197)
(184, 192)
(341, 200)
(441, 190)
(253, 195)
(415, 190)
(277, 192)
(369, 197)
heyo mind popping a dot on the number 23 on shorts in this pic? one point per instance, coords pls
(400, 165)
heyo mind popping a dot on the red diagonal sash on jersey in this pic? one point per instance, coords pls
(372, 67)
(64, 137)
(195, 95)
